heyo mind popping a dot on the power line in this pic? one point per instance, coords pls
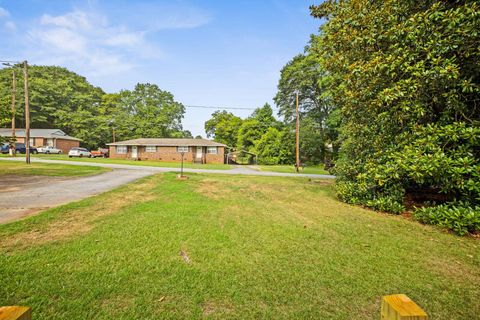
(223, 108)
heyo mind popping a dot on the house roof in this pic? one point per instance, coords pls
(38, 133)
(168, 142)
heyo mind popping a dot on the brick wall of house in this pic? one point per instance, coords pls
(66, 145)
(168, 154)
(216, 158)
(40, 142)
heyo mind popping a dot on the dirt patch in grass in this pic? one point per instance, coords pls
(216, 307)
(451, 269)
(118, 304)
(185, 257)
(213, 189)
(79, 221)
(271, 194)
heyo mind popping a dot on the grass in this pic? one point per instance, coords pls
(291, 169)
(47, 169)
(151, 163)
(238, 247)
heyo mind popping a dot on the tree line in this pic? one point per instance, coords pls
(65, 100)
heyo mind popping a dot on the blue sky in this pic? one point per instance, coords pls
(212, 52)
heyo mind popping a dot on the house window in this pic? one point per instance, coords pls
(182, 149)
(151, 149)
(32, 141)
(121, 150)
(212, 150)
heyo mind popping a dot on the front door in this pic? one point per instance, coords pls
(134, 152)
(199, 153)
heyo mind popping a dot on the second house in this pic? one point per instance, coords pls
(169, 150)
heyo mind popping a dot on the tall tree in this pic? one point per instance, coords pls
(59, 98)
(406, 77)
(223, 127)
(255, 126)
(148, 111)
(305, 76)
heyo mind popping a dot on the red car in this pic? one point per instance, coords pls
(100, 153)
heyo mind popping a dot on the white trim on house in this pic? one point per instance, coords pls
(212, 150)
(121, 150)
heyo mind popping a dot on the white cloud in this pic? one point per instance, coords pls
(86, 42)
(102, 42)
(7, 23)
(4, 12)
(60, 39)
(10, 25)
(125, 39)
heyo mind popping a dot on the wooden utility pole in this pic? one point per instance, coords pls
(14, 93)
(27, 113)
(297, 136)
(13, 149)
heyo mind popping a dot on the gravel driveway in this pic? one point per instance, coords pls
(21, 196)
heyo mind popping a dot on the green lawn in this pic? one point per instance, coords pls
(291, 169)
(137, 163)
(47, 169)
(238, 247)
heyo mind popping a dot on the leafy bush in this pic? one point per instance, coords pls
(457, 216)
(406, 78)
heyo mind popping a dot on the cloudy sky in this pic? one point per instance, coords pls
(217, 53)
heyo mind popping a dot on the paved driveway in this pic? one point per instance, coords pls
(25, 195)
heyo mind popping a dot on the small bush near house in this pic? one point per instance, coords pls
(457, 216)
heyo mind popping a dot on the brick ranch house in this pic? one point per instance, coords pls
(169, 150)
(44, 137)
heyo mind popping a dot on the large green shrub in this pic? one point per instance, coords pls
(457, 216)
(406, 77)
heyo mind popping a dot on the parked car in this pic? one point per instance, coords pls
(49, 150)
(100, 153)
(79, 152)
(19, 148)
(4, 148)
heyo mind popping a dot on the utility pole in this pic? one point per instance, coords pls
(14, 94)
(297, 136)
(27, 113)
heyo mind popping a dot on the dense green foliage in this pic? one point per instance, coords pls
(260, 133)
(62, 99)
(146, 111)
(457, 216)
(318, 126)
(223, 126)
(406, 77)
(274, 141)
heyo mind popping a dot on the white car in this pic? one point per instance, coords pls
(79, 152)
(49, 150)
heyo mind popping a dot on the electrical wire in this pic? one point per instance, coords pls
(222, 108)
